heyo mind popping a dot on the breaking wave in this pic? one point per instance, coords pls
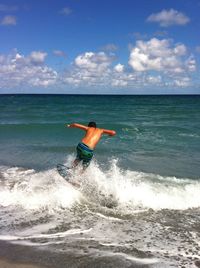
(125, 190)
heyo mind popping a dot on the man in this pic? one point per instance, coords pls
(87, 145)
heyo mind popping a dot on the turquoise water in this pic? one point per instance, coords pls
(159, 134)
(138, 204)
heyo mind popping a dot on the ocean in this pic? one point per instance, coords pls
(139, 200)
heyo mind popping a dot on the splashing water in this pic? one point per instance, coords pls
(125, 189)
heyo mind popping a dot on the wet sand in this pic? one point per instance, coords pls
(7, 264)
(17, 256)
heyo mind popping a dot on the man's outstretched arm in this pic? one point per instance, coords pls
(75, 125)
(109, 132)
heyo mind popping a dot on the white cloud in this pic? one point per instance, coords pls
(191, 64)
(37, 57)
(17, 70)
(183, 82)
(154, 63)
(180, 50)
(154, 79)
(90, 69)
(9, 20)
(119, 83)
(95, 70)
(159, 55)
(119, 68)
(97, 62)
(157, 63)
(123, 80)
(66, 11)
(136, 80)
(169, 17)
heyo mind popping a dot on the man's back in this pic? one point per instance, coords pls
(92, 137)
(93, 134)
(86, 147)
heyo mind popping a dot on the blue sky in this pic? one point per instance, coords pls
(98, 47)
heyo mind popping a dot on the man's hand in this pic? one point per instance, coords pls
(113, 133)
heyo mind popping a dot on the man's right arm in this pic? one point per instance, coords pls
(109, 132)
(75, 125)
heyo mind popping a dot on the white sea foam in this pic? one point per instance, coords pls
(138, 190)
(31, 190)
(125, 190)
(131, 258)
(54, 235)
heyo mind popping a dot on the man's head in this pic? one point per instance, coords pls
(92, 124)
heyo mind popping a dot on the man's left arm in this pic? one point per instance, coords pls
(109, 132)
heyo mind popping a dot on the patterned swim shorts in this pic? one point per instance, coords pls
(84, 153)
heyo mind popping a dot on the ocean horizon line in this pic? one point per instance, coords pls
(74, 94)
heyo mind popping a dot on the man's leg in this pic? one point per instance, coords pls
(78, 157)
(75, 163)
(85, 164)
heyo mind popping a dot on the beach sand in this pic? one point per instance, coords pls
(7, 264)
(18, 256)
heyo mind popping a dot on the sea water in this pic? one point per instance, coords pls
(139, 200)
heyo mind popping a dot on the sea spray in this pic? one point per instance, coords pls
(114, 187)
(36, 190)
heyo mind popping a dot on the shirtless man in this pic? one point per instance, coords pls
(87, 145)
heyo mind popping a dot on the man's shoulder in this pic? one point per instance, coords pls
(96, 130)
(100, 129)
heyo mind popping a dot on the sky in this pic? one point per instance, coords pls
(100, 46)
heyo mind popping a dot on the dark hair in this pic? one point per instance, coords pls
(92, 124)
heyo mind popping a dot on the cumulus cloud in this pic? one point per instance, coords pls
(170, 63)
(135, 80)
(95, 62)
(191, 64)
(119, 68)
(17, 70)
(159, 55)
(169, 17)
(123, 80)
(89, 68)
(183, 82)
(9, 20)
(37, 57)
(96, 70)
(153, 63)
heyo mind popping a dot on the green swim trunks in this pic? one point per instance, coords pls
(84, 153)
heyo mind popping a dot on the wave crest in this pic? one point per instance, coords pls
(124, 190)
